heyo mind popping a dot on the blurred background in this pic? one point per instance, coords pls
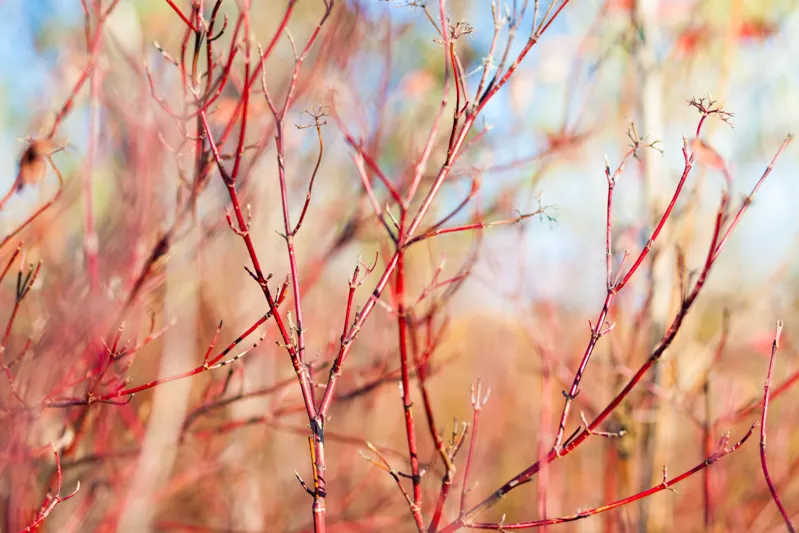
(217, 451)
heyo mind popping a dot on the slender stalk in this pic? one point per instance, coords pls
(478, 402)
(183, 17)
(209, 363)
(763, 420)
(666, 484)
(407, 403)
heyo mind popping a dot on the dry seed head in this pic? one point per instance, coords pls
(32, 163)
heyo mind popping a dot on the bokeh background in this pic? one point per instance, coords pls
(519, 322)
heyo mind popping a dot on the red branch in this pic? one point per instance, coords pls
(763, 420)
(723, 451)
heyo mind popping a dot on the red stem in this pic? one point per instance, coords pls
(66, 402)
(666, 484)
(645, 251)
(182, 16)
(422, 367)
(477, 404)
(763, 419)
(407, 403)
(256, 71)
(748, 199)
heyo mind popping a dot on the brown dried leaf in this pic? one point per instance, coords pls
(706, 155)
(32, 163)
